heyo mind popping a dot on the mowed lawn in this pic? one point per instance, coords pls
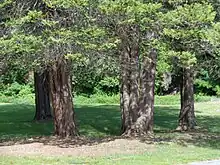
(104, 120)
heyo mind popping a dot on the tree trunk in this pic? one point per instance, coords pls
(42, 101)
(130, 90)
(187, 120)
(62, 102)
(145, 120)
(125, 90)
(137, 108)
(134, 90)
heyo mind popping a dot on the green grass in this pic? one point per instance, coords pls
(159, 100)
(104, 120)
(170, 154)
(102, 99)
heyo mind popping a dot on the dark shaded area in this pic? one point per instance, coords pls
(98, 120)
(101, 124)
(42, 100)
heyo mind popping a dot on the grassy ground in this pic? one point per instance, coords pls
(172, 154)
(104, 120)
(102, 99)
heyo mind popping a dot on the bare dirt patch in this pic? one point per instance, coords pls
(117, 146)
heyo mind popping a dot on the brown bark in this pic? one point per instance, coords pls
(132, 91)
(138, 110)
(60, 86)
(145, 121)
(125, 89)
(187, 120)
(42, 101)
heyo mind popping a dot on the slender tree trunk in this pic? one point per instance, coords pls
(125, 89)
(187, 120)
(134, 89)
(42, 101)
(62, 102)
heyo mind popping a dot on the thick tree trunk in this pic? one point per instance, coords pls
(60, 86)
(144, 124)
(187, 120)
(42, 101)
(137, 108)
(130, 90)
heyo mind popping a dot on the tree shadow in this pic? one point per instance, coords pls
(101, 123)
(207, 135)
(97, 121)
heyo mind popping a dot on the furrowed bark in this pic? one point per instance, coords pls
(134, 91)
(137, 85)
(42, 101)
(187, 120)
(141, 105)
(60, 86)
(144, 124)
(125, 90)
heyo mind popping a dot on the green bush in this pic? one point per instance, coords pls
(115, 99)
(16, 89)
(217, 89)
(26, 90)
(201, 98)
(17, 93)
(25, 94)
(97, 99)
(12, 89)
(108, 85)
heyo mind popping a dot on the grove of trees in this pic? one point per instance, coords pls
(133, 47)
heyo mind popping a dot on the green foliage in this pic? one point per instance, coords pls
(204, 86)
(98, 99)
(217, 89)
(108, 85)
(114, 99)
(13, 72)
(105, 94)
(91, 38)
(16, 90)
(186, 27)
(66, 3)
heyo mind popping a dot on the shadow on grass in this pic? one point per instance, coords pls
(104, 120)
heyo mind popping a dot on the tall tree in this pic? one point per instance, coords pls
(185, 30)
(47, 33)
(134, 24)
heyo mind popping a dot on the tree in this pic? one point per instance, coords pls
(212, 56)
(134, 24)
(44, 33)
(61, 94)
(187, 23)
